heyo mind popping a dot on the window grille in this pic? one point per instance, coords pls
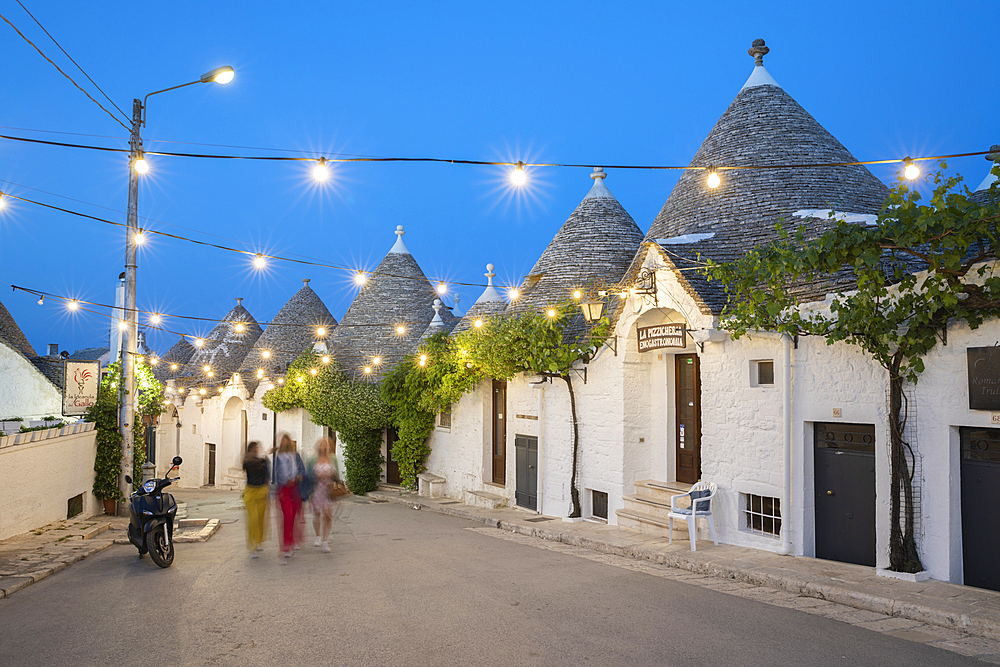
(762, 514)
(599, 503)
(444, 418)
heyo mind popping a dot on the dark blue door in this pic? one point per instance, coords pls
(981, 506)
(844, 467)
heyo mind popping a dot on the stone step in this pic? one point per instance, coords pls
(661, 490)
(483, 499)
(649, 524)
(644, 504)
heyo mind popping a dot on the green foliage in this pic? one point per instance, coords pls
(918, 268)
(28, 429)
(353, 409)
(104, 413)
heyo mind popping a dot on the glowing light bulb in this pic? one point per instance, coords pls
(376, 360)
(123, 325)
(139, 237)
(368, 369)
(577, 294)
(518, 177)
(321, 172)
(513, 293)
(173, 367)
(202, 392)
(423, 360)
(713, 178)
(198, 342)
(325, 359)
(239, 328)
(478, 324)
(259, 261)
(154, 361)
(2, 201)
(155, 319)
(260, 373)
(181, 390)
(225, 76)
(442, 288)
(141, 166)
(551, 312)
(41, 300)
(400, 329)
(313, 371)
(139, 359)
(73, 305)
(281, 380)
(207, 368)
(270, 386)
(266, 354)
(360, 279)
(220, 389)
(911, 171)
(301, 379)
(320, 331)
(211, 374)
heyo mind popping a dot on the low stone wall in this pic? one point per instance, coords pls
(41, 471)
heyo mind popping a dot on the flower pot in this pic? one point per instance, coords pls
(109, 506)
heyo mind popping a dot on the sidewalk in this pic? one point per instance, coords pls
(972, 611)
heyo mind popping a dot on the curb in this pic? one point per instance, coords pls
(972, 623)
(208, 527)
(38, 575)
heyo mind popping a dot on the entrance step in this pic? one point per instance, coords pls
(483, 499)
(652, 505)
(649, 524)
(661, 490)
(431, 485)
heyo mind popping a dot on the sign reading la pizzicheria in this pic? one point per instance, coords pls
(984, 378)
(661, 336)
(82, 379)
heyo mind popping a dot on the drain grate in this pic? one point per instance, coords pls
(541, 518)
(451, 502)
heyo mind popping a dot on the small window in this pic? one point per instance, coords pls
(444, 418)
(599, 503)
(194, 428)
(74, 506)
(762, 514)
(263, 416)
(762, 373)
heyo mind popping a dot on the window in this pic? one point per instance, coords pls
(762, 514)
(762, 373)
(444, 418)
(599, 503)
(263, 416)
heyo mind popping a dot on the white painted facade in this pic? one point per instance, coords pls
(24, 391)
(40, 471)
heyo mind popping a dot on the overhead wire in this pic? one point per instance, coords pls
(41, 53)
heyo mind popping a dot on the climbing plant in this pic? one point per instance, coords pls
(353, 409)
(916, 269)
(104, 414)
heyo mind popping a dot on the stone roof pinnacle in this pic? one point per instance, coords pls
(399, 247)
(758, 51)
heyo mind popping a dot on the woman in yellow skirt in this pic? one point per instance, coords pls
(258, 472)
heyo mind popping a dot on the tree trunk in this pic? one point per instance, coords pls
(903, 556)
(574, 492)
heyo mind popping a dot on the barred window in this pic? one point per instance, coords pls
(444, 418)
(762, 514)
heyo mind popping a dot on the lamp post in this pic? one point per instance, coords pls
(137, 165)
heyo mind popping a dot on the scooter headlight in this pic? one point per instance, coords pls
(149, 486)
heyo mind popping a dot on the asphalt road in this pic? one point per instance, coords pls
(414, 588)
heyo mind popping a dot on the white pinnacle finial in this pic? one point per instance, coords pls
(437, 321)
(399, 230)
(489, 274)
(398, 247)
(598, 173)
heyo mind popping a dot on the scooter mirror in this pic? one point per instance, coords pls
(128, 479)
(177, 461)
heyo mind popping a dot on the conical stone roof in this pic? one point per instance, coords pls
(981, 194)
(764, 126)
(224, 348)
(180, 353)
(292, 331)
(396, 294)
(12, 334)
(489, 303)
(595, 244)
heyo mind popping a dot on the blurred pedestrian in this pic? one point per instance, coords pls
(258, 472)
(288, 472)
(325, 473)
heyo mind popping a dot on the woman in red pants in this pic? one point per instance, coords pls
(288, 473)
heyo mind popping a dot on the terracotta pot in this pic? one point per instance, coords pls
(109, 506)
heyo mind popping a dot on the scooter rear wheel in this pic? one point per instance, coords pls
(159, 549)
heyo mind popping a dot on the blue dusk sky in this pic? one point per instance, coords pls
(571, 82)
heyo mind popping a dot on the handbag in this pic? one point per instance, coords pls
(335, 489)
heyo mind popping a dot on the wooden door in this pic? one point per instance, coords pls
(688, 429)
(499, 433)
(391, 466)
(211, 465)
(844, 469)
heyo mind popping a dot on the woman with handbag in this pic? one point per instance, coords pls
(288, 472)
(327, 490)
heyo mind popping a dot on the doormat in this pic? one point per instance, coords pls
(451, 502)
(541, 518)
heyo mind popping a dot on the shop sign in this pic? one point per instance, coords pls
(984, 378)
(661, 336)
(81, 382)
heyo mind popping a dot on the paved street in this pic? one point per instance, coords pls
(414, 587)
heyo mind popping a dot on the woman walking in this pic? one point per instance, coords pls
(255, 497)
(325, 473)
(288, 472)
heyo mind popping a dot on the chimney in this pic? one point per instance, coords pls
(53, 349)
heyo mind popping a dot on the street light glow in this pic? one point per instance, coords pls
(518, 177)
(222, 74)
(141, 166)
(321, 172)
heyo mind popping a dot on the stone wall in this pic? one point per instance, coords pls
(24, 391)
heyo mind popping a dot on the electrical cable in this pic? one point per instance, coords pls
(73, 61)
(117, 120)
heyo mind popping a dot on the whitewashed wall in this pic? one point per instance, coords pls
(24, 391)
(40, 473)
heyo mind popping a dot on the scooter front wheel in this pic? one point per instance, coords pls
(161, 551)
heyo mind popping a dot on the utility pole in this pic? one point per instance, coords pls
(127, 415)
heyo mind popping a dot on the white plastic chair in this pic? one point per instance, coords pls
(701, 508)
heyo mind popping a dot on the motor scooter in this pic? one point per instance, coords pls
(151, 518)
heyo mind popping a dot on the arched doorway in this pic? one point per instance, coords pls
(234, 435)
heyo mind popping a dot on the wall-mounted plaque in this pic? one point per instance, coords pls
(80, 385)
(984, 378)
(661, 336)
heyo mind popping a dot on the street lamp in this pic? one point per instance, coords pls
(592, 310)
(138, 165)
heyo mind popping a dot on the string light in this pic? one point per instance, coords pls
(442, 288)
(518, 177)
(239, 328)
(123, 325)
(713, 178)
(320, 331)
(478, 324)
(551, 313)
(154, 361)
(577, 294)
(281, 380)
(513, 293)
(423, 360)
(140, 165)
(368, 369)
(211, 374)
(360, 278)
(173, 367)
(400, 329)
(155, 319)
(198, 342)
(41, 301)
(377, 361)
(260, 373)
(202, 391)
(325, 359)
(301, 379)
(270, 386)
(313, 371)
(259, 261)
(139, 237)
(911, 171)
(265, 354)
(207, 368)
(321, 172)
(73, 305)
